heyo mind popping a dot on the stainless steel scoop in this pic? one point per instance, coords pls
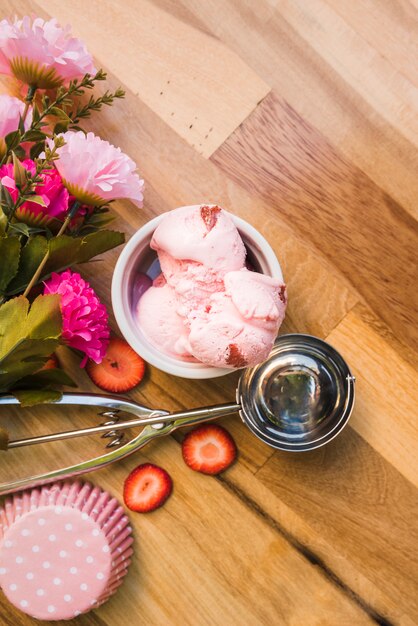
(298, 399)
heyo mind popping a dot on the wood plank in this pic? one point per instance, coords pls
(386, 406)
(389, 92)
(204, 527)
(176, 175)
(276, 154)
(358, 503)
(390, 27)
(199, 87)
(295, 65)
(322, 538)
(318, 549)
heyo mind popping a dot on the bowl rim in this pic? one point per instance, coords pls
(165, 362)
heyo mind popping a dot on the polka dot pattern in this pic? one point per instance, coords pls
(56, 555)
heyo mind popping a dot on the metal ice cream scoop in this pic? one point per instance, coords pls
(298, 399)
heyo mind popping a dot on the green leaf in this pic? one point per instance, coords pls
(77, 128)
(99, 219)
(61, 114)
(20, 153)
(13, 139)
(60, 127)
(9, 255)
(11, 315)
(34, 135)
(20, 173)
(36, 150)
(99, 242)
(6, 200)
(3, 222)
(46, 378)
(21, 228)
(30, 397)
(64, 251)
(30, 258)
(21, 125)
(27, 336)
(35, 114)
(26, 357)
(37, 200)
(44, 319)
(24, 229)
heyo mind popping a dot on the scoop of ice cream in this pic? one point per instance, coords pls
(193, 282)
(203, 234)
(258, 298)
(206, 305)
(160, 322)
(222, 337)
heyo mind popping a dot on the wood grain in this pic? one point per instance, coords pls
(313, 116)
(357, 485)
(333, 203)
(183, 74)
(294, 66)
(385, 414)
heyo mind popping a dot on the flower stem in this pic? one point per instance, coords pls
(61, 231)
(28, 100)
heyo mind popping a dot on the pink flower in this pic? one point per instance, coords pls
(10, 111)
(84, 318)
(96, 172)
(51, 190)
(42, 53)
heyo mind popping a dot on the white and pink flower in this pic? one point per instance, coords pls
(11, 110)
(41, 53)
(96, 172)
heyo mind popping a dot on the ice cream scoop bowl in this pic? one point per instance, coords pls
(299, 399)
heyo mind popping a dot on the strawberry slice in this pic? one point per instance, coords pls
(147, 488)
(121, 369)
(209, 449)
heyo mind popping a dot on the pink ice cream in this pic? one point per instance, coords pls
(206, 306)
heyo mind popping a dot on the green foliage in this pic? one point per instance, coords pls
(30, 397)
(29, 251)
(64, 251)
(28, 335)
(9, 255)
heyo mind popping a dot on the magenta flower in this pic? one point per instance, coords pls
(96, 172)
(84, 317)
(42, 54)
(10, 111)
(53, 193)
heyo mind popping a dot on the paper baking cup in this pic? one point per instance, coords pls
(64, 549)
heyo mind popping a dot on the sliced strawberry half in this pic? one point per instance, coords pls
(147, 488)
(121, 369)
(209, 449)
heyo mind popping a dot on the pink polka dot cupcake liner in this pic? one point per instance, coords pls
(64, 549)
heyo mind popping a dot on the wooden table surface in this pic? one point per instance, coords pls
(301, 117)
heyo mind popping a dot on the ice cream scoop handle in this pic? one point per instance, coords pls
(168, 424)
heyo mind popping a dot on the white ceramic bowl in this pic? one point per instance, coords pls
(136, 257)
